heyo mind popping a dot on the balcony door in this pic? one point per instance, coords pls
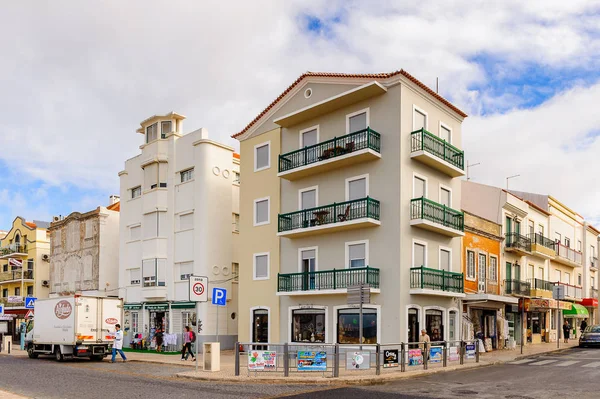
(356, 188)
(308, 267)
(482, 265)
(309, 138)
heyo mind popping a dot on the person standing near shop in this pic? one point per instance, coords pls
(159, 339)
(425, 340)
(118, 344)
(188, 338)
(583, 325)
(566, 331)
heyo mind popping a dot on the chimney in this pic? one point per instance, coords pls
(113, 199)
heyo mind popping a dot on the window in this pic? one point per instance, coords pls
(261, 211)
(18, 291)
(482, 267)
(262, 157)
(414, 331)
(236, 177)
(135, 321)
(136, 192)
(541, 229)
(445, 257)
(261, 266)
(419, 120)
(309, 137)
(445, 133)
(593, 282)
(30, 264)
(235, 270)
(151, 176)
(5, 267)
(493, 275)
(419, 254)
(531, 228)
(308, 198)
(260, 325)
(579, 280)
(186, 221)
(471, 265)
(186, 269)
(165, 128)
(357, 187)
(135, 276)
(308, 264)
(154, 272)
(593, 251)
(357, 254)
(419, 187)
(557, 275)
(453, 325)
(567, 278)
(579, 245)
(308, 325)
(151, 132)
(357, 121)
(541, 273)
(348, 325)
(531, 272)
(155, 224)
(445, 197)
(135, 233)
(187, 175)
(434, 324)
(4, 292)
(163, 171)
(89, 228)
(236, 222)
(567, 242)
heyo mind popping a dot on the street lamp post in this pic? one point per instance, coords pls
(510, 177)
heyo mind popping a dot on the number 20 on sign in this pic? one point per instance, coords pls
(198, 288)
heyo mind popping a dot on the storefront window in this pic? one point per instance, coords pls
(134, 321)
(434, 324)
(452, 330)
(413, 325)
(348, 326)
(260, 329)
(308, 325)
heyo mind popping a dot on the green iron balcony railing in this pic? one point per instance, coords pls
(338, 146)
(434, 279)
(329, 214)
(328, 279)
(422, 140)
(517, 287)
(541, 240)
(516, 240)
(423, 208)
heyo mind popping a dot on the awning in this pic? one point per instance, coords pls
(577, 311)
(590, 302)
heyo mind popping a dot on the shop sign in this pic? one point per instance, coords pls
(415, 357)
(358, 360)
(390, 358)
(262, 360)
(132, 306)
(436, 354)
(453, 353)
(157, 307)
(15, 299)
(4, 328)
(312, 361)
(564, 305)
(470, 351)
(7, 317)
(542, 303)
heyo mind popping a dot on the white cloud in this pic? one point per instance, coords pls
(78, 77)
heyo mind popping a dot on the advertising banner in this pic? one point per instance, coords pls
(390, 358)
(470, 349)
(436, 354)
(312, 361)
(262, 360)
(358, 360)
(453, 354)
(415, 357)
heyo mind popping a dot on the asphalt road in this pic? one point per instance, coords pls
(46, 378)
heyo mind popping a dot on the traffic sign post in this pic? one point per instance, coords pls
(219, 298)
(198, 293)
(29, 302)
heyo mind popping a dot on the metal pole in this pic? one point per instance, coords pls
(336, 360)
(462, 352)
(425, 351)
(403, 359)
(523, 336)
(378, 360)
(477, 352)
(445, 351)
(197, 332)
(217, 322)
(237, 359)
(286, 360)
(360, 319)
(558, 326)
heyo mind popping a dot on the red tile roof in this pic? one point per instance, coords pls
(115, 207)
(351, 76)
(236, 155)
(31, 224)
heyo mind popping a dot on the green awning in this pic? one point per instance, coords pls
(183, 305)
(577, 311)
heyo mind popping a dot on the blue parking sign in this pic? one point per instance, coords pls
(219, 296)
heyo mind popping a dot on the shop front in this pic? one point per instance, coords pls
(348, 322)
(591, 304)
(14, 319)
(574, 316)
(540, 319)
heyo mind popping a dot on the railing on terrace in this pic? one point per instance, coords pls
(572, 291)
(517, 287)
(539, 284)
(434, 279)
(593, 261)
(518, 241)
(12, 249)
(423, 208)
(16, 275)
(594, 293)
(338, 146)
(568, 253)
(422, 140)
(541, 240)
(328, 214)
(328, 279)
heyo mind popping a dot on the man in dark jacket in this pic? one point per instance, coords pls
(583, 325)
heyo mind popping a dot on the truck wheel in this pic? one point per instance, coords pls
(96, 358)
(31, 353)
(57, 355)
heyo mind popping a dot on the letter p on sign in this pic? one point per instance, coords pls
(219, 296)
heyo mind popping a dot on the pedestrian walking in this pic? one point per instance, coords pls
(566, 331)
(583, 325)
(188, 338)
(425, 340)
(159, 339)
(118, 344)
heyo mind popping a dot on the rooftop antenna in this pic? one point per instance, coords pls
(510, 177)
(437, 85)
(470, 166)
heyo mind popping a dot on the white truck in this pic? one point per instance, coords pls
(73, 326)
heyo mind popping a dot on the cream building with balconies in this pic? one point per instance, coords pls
(351, 179)
(179, 213)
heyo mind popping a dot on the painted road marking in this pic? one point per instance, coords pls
(568, 363)
(592, 365)
(523, 361)
(543, 362)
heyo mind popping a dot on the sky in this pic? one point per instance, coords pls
(77, 78)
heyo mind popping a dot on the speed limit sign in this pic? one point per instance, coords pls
(198, 288)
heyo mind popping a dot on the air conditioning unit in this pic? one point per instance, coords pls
(46, 257)
(45, 283)
(56, 218)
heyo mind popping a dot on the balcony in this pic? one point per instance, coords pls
(361, 146)
(13, 250)
(572, 292)
(16, 275)
(517, 287)
(432, 216)
(542, 246)
(568, 256)
(426, 281)
(594, 293)
(593, 263)
(334, 281)
(437, 153)
(340, 216)
(541, 288)
(515, 242)
(4, 301)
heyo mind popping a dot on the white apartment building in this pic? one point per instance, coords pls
(179, 213)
